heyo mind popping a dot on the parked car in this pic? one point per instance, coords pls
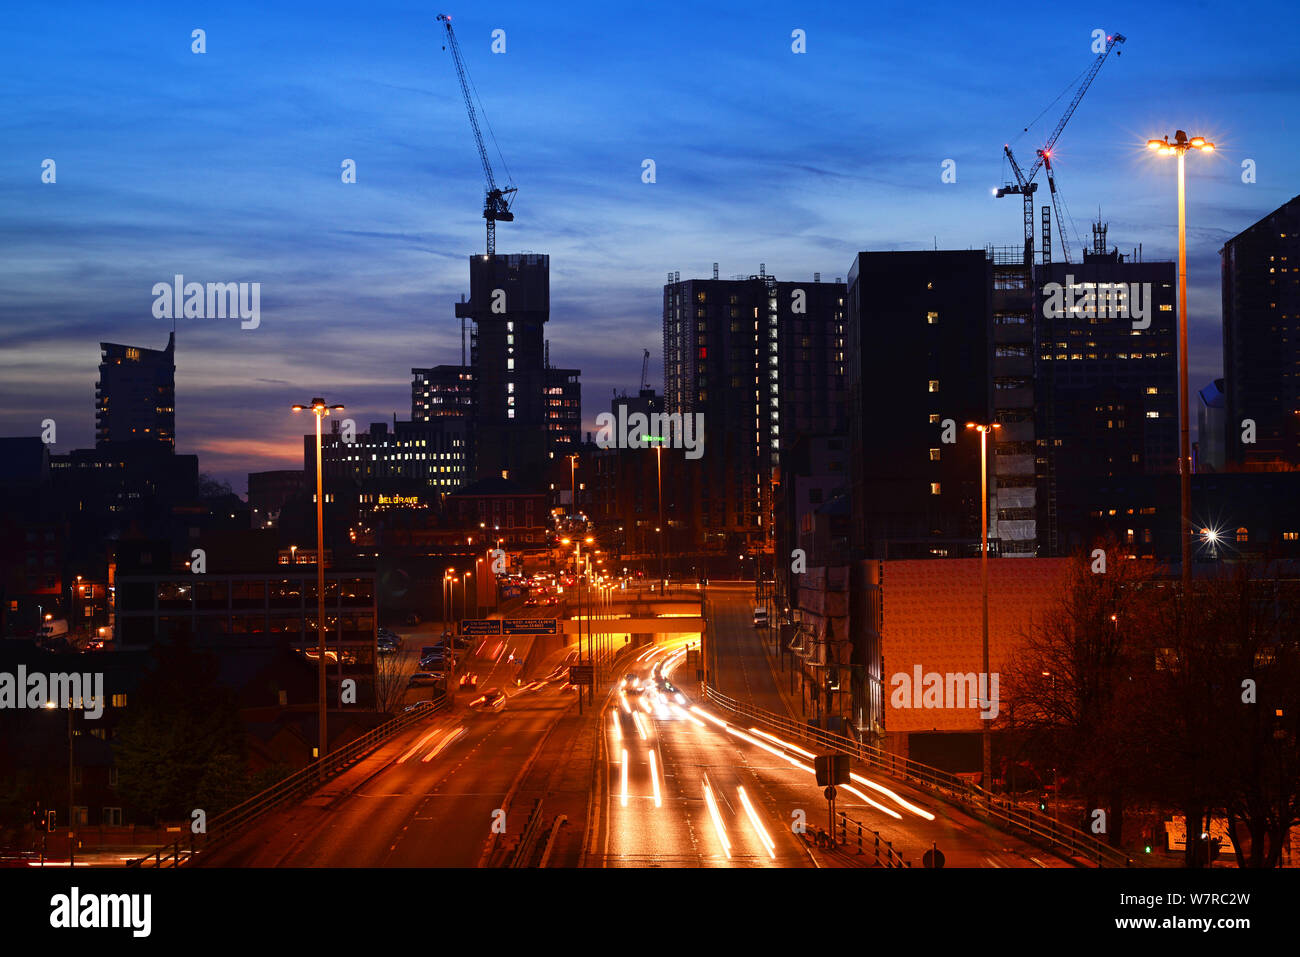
(433, 662)
(422, 679)
(760, 617)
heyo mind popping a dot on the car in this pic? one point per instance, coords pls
(422, 679)
(631, 684)
(428, 650)
(432, 662)
(469, 681)
(412, 619)
(494, 699)
(760, 617)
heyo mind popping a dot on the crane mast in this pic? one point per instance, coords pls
(496, 201)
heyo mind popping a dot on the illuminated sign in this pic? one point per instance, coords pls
(399, 500)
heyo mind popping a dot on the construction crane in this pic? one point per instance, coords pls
(1025, 185)
(496, 202)
(645, 372)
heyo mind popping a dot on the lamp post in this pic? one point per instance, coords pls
(985, 737)
(319, 409)
(1180, 146)
(573, 488)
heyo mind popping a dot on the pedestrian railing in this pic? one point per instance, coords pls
(997, 811)
(884, 851)
(237, 819)
(523, 852)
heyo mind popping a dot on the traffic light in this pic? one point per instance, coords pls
(1042, 803)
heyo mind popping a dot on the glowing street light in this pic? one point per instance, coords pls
(1180, 146)
(319, 409)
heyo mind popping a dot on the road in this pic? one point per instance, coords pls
(428, 797)
(677, 783)
(686, 787)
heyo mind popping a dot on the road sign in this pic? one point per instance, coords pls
(582, 674)
(529, 626)
(480, 626)
(832, 769)
(932, 858)
(830, 792)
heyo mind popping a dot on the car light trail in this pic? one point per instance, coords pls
(479, 649)
(419, 744)
(708, 717)
(654, 777)
(687, 715)
(921, 812)
(649, 708)
(880, 807)
(640, 728)
(443, 743)
(785, 744)
(623, 701)
(758, 825)
(892, 795)
(767, 747)
(623, 798)
(717, 818)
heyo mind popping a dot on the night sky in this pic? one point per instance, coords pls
(225, 167)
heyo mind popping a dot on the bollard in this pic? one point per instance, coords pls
(859, 838)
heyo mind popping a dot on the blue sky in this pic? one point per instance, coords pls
(225, 166)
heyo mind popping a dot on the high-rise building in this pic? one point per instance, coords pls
(919, 347)
(135, 397)
(1261, 340)
(428, 457)
(563, 411)
(509, 303)
(441, 391)
(1106, 383)
(762, 361)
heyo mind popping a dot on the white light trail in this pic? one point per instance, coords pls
(443, 743)
(654, 777)
(758, 825)
(717, 818)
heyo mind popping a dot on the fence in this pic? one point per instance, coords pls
(230, 823)
(999, 812)
(891, 857)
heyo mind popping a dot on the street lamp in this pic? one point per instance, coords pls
(986, 738)
(72, 807)
(319, 409)
(1180, 146)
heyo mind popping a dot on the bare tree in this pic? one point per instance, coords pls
(1072, 688)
